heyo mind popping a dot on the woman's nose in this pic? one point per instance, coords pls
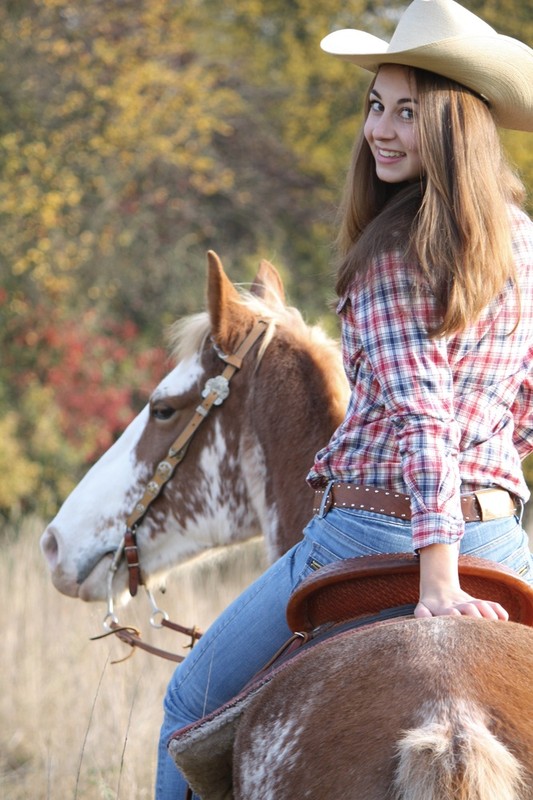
(383, 128)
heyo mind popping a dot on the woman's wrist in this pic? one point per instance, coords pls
(439, 567)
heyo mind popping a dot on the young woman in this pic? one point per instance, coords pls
(435, 286)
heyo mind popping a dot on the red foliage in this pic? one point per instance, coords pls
(99, 373)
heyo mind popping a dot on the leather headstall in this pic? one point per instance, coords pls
(215, 391)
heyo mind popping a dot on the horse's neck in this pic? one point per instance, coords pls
(286, 427)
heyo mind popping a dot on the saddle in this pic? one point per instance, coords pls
(365, 586)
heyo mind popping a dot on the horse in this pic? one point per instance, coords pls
(244, 470)
(437, 709)
(365, 701)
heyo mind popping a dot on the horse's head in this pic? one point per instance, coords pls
(223, 490)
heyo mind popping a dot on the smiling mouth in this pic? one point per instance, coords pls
(390, 154)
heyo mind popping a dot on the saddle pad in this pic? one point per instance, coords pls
(203, 751)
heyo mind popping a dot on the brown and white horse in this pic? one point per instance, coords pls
(438, 709)
(432, 709)
(245, 467)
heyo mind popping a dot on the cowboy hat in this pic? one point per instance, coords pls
(443, 37)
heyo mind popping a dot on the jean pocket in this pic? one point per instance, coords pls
(520, 562)
(318, 557)
(511, 549)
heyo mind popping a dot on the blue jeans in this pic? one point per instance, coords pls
(253, 627)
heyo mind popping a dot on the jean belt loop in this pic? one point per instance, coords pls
(323, 510)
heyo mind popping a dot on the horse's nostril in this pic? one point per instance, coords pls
(50, 548)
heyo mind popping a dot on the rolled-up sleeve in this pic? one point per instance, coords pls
(523, 416)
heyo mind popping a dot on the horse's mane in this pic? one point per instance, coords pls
(187, 336)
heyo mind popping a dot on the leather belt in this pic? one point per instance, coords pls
(480, 506)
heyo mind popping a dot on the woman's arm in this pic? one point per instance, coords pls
(416, 382)
(522, 411)
(440, 591)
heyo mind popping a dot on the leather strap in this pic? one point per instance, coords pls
(215, 392)
(478, 506)
(132, 637)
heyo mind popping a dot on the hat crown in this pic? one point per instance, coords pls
(427, 21)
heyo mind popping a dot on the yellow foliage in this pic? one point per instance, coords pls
(19, 475)
(138, 133)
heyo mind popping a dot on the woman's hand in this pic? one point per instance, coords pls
(440, 591)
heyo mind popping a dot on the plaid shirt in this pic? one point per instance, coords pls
(434, 417)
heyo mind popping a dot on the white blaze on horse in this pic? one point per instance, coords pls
(245, 466)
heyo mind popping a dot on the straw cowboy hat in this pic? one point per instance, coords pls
(443, 37)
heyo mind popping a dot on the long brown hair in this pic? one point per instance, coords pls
(453, 222)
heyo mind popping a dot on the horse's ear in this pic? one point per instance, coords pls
(223, 300)
(267, 283)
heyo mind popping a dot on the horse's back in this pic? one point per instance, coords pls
(331, 722)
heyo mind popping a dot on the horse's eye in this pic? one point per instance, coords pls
(162, 412)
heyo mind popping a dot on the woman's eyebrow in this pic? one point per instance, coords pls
(399, 101)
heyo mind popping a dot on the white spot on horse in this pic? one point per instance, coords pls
(217, 503)
(255, 474)
(273, 750)
(109, 485)
(181, 379)
(103, 499)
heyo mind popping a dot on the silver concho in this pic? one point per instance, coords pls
(152, 488)
(220, 386)
(164, 468)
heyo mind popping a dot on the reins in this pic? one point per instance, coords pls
(215, 391)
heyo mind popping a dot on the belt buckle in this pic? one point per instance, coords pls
(491, 503)
(326, 500)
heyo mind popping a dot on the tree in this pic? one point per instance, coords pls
(135, 135)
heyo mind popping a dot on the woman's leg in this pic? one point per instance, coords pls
(243, 638)
(234, 648)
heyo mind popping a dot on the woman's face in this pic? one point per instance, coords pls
(390, 128)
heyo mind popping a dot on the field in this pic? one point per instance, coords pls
(73, 726)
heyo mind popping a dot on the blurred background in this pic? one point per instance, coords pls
(134, 136)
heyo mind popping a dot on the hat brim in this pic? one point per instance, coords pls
(497, 67)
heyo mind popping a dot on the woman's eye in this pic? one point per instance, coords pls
(375, 105)
(162, 412)
(407, 114)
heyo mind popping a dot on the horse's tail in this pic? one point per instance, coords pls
(454, 756)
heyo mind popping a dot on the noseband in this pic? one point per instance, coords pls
(215, 391)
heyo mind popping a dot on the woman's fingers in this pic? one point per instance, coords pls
(480, 609)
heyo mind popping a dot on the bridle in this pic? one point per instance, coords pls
(215, 391)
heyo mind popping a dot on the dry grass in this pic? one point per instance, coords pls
(72, 724)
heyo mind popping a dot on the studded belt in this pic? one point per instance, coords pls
(480, 506)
